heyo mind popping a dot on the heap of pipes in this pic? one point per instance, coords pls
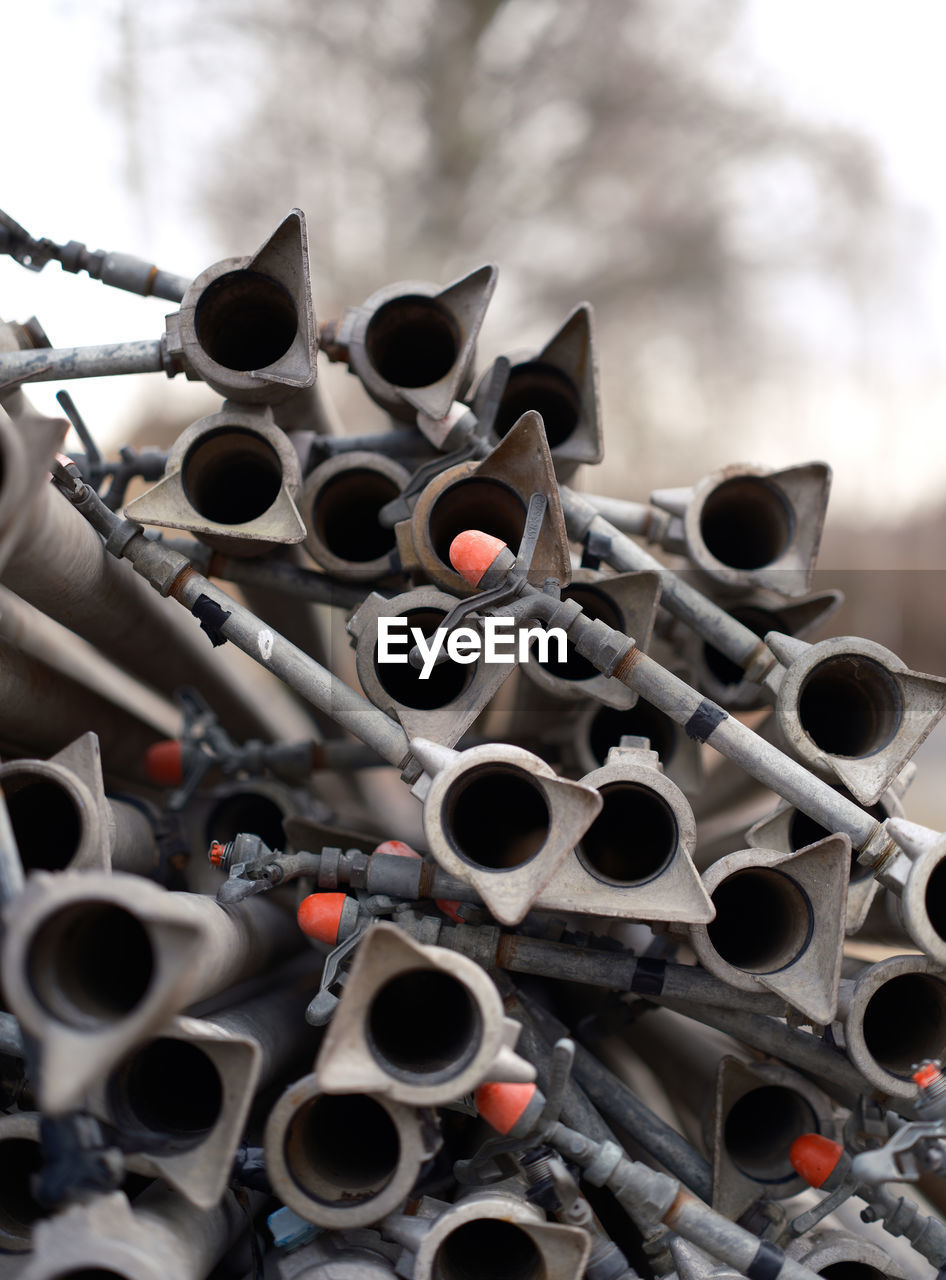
(568, 923)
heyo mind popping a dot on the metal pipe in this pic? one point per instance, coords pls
(275, 1020)
(839, 1253)
(470, 1237)
(64, 363)
(893, 1017)
(11, 1041)
(343, 1160)
(183, 1098)
(631, 518)
(114, 954)
(60, 566)
(616, 654)
(21, 1156)
(59, 821)
(36, 634)
(616, 971)
(340, 504)
(171, 574)
(231, 478)
(621, 1106)
(42, 710)
(163, 1235)
(805, 1052)
(714, 624)
(11, 868)
(271, 577)
(659, 1198)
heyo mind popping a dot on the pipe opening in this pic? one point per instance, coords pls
(245, 320)
(344, 515)
(46, 820)
(850, 706)
(488, 1249)
(172, 1089)
(91, 1273)
(760, 622)
(20, 1158)
(851, 1271)
(246, 811)
(495, 816)
(231, 476)
(402, 682)
(476, 503)
(634, 836)
(412, 341)
(763, 920)
(803, 831)
(424, 1022)
(90, 963)
(760, 1129)
(905, 1022)
(342, 1149)
(642, 721)
(544, 389)
(595, 605)
(746, 523)
(935, 898)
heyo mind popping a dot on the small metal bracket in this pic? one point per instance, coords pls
(901, 1158)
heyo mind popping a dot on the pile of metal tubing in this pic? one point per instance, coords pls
(567, 923)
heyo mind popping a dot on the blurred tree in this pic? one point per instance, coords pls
(623, 151)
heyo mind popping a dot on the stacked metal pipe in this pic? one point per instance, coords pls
(568, 923)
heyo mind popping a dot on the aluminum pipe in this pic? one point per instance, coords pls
(182, 1099)
(60, 565)
(21, 1156)
(892, 1017)
(412, 344)
(62, 819)
(42, 710)
(417, 1024)
(246, 325)
(94, 963)
(162, 1235)
(343, 1160)
(467, 1239)
(231, 479)
(340, 504)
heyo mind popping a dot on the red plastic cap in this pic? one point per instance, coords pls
(163, 763)
(815, 1158)
(451, 908)
(320, 914)
(501, 1105)
(217, 853)
(472, 552)
(926, 1075)
(397, 848)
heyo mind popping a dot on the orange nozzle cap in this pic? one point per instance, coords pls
(815, 1157)
(163, 763)
(397, 848)
(926, 1075)
(501, 1105)
(472, 552)
(450, 907)
(217, 853)
(320, 915)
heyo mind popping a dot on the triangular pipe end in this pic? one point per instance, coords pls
(522, 461)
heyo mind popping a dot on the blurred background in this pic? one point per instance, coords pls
(749, 193)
